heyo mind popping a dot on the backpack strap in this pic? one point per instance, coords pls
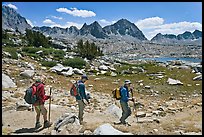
(37, 90)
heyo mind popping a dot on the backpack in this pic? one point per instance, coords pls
(74, 89)
(29, 97)
(116, 93)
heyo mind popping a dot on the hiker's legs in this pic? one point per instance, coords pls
(44, 112)
(37, 110)
(126, 111)
(81, 110)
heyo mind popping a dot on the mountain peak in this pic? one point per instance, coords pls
(125, 27)
(12, 20)
(187, 35)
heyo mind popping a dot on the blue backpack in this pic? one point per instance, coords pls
(29, 97)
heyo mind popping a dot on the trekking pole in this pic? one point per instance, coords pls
(49, 104)
(134, 105)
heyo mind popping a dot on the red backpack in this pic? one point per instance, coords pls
(74, 89)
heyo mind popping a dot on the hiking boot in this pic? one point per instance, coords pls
(47, 124)
(38, 125)
(122, 123)
(82, 122)
(126, 123)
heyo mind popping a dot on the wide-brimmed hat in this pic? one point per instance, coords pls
(84, 76)
(128, 82)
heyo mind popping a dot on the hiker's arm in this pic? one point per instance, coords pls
(82, 93)
(45, 97)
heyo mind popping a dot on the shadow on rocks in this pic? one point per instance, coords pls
(28, 130)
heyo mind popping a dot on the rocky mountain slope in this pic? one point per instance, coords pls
(186, 37)
(124, 27)
(12, 20)
(121, 28)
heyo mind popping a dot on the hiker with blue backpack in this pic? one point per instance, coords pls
(125, 97)
(37, 99)
(78, 90)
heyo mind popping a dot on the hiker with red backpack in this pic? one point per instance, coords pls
(125, 97)
(39, 91)
(78, 90)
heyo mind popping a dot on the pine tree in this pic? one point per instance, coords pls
(88, 50)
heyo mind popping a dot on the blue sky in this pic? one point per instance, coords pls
(150, 17)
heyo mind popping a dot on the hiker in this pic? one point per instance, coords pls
(126, 111)
(81, 97)
(39, 105)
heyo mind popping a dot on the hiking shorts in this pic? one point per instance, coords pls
(41, 109)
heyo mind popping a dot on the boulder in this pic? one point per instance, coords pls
(59, 68)
(43, 68)
(7, 82)
(112, 68)
(78, 71)
(22, 107)
(197, 69)
(141, 114)
(103, 72)
(103, 67)
(147, 87)
(114, 110)
(107, 129)
(31, 66)
(27, 73)
(69, 72)
(113, 74)
(6, 54)
(198, 77)
(66, 119)
(184, 67)
(171, 81)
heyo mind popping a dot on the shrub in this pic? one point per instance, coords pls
(75, 63)
(12, 51)
(48, 63)
(31, 50)
(59, 54)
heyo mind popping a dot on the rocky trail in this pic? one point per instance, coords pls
(159, 113)
(156, 119)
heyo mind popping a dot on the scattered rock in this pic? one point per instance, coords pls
(171, 81)
(198, 77)
(7, 82)
(59, 68)
(147, 87)
(31, 66)
(22, 107)
(88, 132)
(145, 120)
(96, 79)
(141, 114)
(43, 68)
(39, 52)
(184, 67)
(113, 74)
(27, 73)
(107, 129)
(114, 110)
(65, 119)
(78, 71)
(155, 130)
(69, 72)
(103, 67)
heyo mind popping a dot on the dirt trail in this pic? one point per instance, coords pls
(188, 120)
